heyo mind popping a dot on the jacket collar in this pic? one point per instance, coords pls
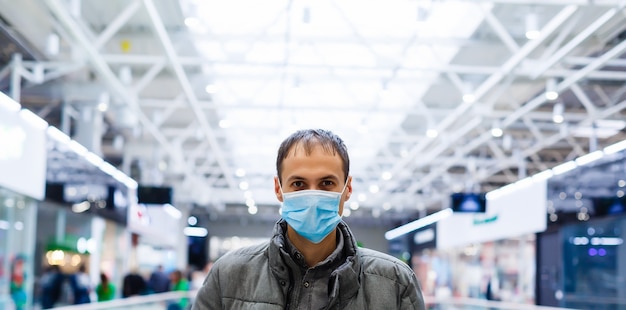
(344, 281)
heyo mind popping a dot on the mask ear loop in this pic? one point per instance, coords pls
(280, 186)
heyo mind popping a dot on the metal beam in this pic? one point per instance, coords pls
(74, 29)
(578, 39)
(117, 23)
(491, 82)
(158, 26)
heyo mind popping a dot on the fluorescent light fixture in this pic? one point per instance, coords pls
(551, 93)
(543, 175)
(78, 148)
(107, 168)
(614, 148)
(432, 133)
(171, 210)
(532, 26)
(94, 159)
(606, 241)
(129, 182)
(8, 103)
(58, 135)
(195, 231)
(565, 167)
(507, 189)
(33, 119)
(557, 112)
(469, 98)
(589, 158)
(417, 224)
(81, 207)
(496, 130)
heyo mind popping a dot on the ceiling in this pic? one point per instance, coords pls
(199, 94)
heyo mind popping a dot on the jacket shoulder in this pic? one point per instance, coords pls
(384, 265)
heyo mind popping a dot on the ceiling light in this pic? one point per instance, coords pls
(374, 189)
(103, 102)
(253, 210)
(240, 172)
(244, 185)
(346, 212)
(469, 98)
(172, 211)
(621, 183)
(224, 123)
(386, 175)
(192, 220)
(126, 75)
(194, 24)
(386, 206)
(565, 167)
(557, 113)
(589, 158)
(362, 197)
(195, 231)
(210, 89)
(551, 91)
(53, 44)
(432, 133)
(354, 205)
(532, 26)
(496, 131)
(417, 224)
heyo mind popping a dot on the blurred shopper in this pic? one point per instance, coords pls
(81, 286)
(51, 284)
(159, 282)
(105, 290)
(197, 277)
(133, 284)
(18, 276)
(312, 261)
(179, 284)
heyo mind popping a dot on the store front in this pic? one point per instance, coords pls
(22, 180)
(488, 255)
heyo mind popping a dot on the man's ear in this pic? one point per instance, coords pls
(277, 191)
(348, 187)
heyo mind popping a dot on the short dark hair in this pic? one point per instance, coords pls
(309, 138)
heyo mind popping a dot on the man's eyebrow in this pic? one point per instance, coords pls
(326, 177)
(330, 176)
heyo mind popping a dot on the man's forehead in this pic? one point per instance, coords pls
(308, 147)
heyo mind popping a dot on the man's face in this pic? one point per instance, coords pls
(319, 170)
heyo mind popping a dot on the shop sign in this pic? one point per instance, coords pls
(518, 211)
(22, 152)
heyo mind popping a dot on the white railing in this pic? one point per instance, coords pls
(143, 300)
(459, 302)
(159, 301)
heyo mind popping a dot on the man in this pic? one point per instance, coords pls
(312, 261)
(159, 282)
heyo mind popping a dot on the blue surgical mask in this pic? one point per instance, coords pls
(313, 214)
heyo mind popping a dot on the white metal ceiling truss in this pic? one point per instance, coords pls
(469, 83)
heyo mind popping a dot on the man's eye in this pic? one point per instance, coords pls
(327, 183)
(298, 184)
